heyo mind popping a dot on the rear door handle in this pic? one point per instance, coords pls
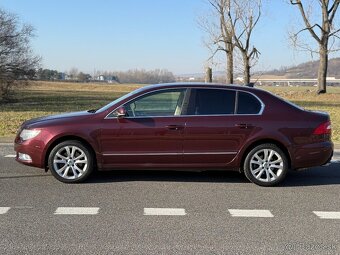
(174, 127)
(243, 125)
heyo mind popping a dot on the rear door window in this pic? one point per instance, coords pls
(248, 104)
(211, 102)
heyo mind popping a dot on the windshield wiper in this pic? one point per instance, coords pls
(92, 110)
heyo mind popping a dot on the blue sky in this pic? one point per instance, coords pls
(117, 35)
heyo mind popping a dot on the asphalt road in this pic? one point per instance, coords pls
(121, 213)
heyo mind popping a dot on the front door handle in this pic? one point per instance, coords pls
(174, 127)
(243, 125)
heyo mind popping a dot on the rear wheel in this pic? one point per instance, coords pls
(266, 165)
(70, 162)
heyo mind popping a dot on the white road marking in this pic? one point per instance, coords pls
(164, 211)
(4, 210)
(335, 161)
(327, 215)
(77, 210)
(10, 156)
(250, 213)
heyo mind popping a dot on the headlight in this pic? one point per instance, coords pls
(28, 134)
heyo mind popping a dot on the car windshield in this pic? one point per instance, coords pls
(109, 105)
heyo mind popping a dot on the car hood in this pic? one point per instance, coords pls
(62, 116)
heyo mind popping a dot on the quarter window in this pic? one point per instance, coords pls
(248, 104)
(161, 103)
(212, 102)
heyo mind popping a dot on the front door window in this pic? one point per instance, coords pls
(158, 104)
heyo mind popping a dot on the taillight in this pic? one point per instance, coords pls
(323, 129)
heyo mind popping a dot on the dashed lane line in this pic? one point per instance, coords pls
(4, 210)
(165, 211)
(327, 215)
(250, 213)
(245, 213)
(10, 156)
(77, 210)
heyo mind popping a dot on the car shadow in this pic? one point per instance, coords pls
(167, 176)
(318, 176)
(24, 176)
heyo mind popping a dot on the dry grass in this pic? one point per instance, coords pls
(44, 98)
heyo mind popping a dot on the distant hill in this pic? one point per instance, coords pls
(308, 70)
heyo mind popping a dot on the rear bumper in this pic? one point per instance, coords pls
(312, 155)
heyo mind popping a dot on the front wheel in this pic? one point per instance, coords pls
(70, 162)
(266, 165)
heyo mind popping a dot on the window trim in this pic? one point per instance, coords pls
(185, 89)
(185, 102)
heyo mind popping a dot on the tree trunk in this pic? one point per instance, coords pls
(230, 64)
(323, 65)
(246, 71)
(208, 75)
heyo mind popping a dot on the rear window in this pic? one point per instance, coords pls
(212, 102)
(248, 104)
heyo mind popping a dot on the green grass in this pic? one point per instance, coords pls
(44, 98)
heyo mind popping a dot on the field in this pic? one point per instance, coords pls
(44, 98)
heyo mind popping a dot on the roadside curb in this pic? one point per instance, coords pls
(6, 144)
(6, 139)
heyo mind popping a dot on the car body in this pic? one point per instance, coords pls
(181, 126)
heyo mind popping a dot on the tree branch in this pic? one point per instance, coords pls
(305, 19)
(333, 33)
(333, 10)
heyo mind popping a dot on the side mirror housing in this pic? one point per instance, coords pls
(121, 112)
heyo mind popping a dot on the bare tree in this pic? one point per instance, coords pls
(73, 73)
(236, 22)
(220, 34)
(243, 15)
(17, 62)
(322, 32)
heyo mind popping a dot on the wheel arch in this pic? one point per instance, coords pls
(67, 138)
(252, 145)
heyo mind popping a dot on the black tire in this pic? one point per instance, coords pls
(65, 159)
(260, 163)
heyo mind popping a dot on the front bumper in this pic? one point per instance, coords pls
(32, 148)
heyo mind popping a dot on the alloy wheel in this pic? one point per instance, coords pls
(266, 165)
(70, 162)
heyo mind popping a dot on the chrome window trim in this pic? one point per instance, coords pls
(187, 88)
(170, 153)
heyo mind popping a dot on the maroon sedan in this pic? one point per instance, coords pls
(181, 127)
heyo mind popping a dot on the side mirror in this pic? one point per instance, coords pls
(121, 112)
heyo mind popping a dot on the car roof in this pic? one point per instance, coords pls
(197, 84)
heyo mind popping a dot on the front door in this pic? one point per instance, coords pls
(150, 135)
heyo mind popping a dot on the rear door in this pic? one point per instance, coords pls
(214, 130)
